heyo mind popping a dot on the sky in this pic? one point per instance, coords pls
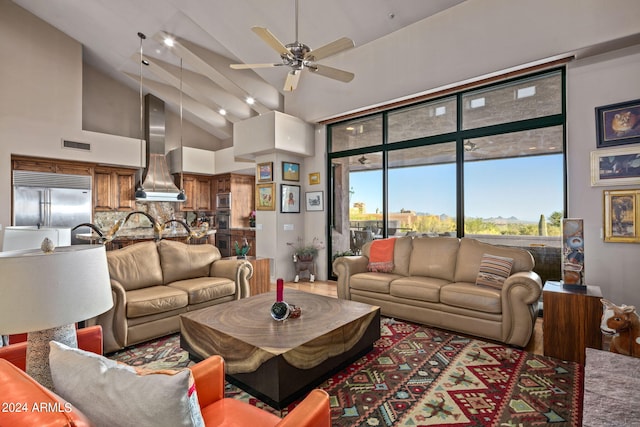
(523, 187)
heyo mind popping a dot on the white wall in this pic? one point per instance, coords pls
(597, 81)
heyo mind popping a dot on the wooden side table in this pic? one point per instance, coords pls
(571, 321)
(260, 282)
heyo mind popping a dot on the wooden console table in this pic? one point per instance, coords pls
(260, 282)
(571, 321)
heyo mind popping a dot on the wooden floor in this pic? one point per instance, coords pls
(329, 289)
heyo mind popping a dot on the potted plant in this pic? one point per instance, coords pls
(306, 252)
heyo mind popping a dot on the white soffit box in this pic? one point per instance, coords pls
(271, 132)
(194, 160)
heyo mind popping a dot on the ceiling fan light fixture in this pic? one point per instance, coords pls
(168, 41)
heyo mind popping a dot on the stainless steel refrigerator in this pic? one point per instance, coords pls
(52, 200)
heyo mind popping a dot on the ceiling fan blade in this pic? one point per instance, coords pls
(332, 73)
(271, 40)
(330, 49)
(245, 66)
(291, 83)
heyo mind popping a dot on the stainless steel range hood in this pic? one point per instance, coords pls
(157, 182)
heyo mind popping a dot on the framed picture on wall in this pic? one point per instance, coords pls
(618, 124)
(621, 216)
(291, 171)
(290, 198)
(265, 171)
(265, 197)
(314, 200)
(314, 178)
(617, 166)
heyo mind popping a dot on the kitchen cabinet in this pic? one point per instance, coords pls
(51, 166)
(113, 189)
(198, 189)
(242, 189)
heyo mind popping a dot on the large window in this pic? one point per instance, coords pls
(486, 163)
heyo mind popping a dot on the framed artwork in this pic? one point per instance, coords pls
(265, 197)
(314, 200)
(264, 171)
(617, 166)
(621, 216)
(291, 171)
(618, 124)
(290, 198)
(314, 178)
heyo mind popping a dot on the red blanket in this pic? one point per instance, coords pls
(381, 255)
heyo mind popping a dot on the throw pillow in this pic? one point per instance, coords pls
(381, 256)
(114, 394)
(494, 270)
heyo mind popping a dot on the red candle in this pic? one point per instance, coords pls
(279, 290)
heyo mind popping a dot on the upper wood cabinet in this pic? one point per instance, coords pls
(197, 188)
(113, 189)
(51, 166)
(242, 189)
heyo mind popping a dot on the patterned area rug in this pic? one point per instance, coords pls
(418, 376)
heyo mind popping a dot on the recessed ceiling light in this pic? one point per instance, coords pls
(441, 111)
(250, 100)
(222, 112)
(532, 148)
(168, 41)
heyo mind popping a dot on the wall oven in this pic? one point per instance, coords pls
(223, 243)
(223, 219)
(223, 201)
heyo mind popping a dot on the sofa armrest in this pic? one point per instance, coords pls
(313, 411)
(89, 339)
(346, 266)
(113, 322)
(520, 295)
(208, 376)
(238, 270)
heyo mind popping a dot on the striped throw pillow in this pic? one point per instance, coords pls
(494, 270)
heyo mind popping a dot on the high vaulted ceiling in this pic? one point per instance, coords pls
(212, 34)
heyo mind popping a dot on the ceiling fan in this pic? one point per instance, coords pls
(298, 56)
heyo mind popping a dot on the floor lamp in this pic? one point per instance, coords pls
(45, 294)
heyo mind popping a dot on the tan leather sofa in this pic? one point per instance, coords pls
(433, 282)
(152, 283)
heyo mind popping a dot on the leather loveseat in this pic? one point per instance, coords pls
(152, 283)
(434, 282)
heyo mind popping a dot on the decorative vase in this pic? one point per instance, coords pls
(305, 258)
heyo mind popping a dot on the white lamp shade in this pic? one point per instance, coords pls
(41, 291)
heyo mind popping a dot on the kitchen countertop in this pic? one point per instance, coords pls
(142, 234)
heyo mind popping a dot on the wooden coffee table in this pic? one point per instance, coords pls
(280, 361)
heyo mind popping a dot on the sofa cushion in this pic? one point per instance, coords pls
(401, 254)
(418, 288)
(155, 299)
(373, 282)
(381, 255)
(114, 394)
(470, 256)
(181, 261)
(135, 266)
(494, 270)
(434, 257)
(472, 297)
(203, 289)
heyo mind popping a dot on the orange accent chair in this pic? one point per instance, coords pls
(89, 339)
(217, 410)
